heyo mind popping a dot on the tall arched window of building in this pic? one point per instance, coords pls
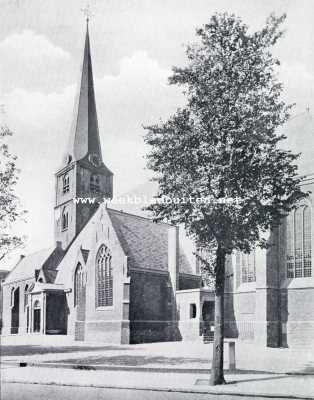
(299, 235)
(307, 236)
(64, 219)
(78, 283)
(246, 266)
(94, 183)
(66, 183)
(290, 245)
(104, 279)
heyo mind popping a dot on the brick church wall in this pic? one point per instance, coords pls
(151, 302)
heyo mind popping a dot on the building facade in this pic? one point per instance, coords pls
(269, 294)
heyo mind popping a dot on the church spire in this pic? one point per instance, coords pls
(85, 135)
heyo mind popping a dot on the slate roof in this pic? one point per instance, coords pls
(50, 265)
(145, 242)
(25, 268)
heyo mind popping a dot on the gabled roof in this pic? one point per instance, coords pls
(49, 267)
(26, 267)
(143, 241)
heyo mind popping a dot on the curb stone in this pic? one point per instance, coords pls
(170, 389)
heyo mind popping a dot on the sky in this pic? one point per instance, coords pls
(134, 45)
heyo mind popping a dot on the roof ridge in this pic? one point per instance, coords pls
(121, 212)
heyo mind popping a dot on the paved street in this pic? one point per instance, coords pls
(14, 391)
(259, 385)
(155, 369)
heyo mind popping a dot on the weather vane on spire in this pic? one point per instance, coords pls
(87, 12)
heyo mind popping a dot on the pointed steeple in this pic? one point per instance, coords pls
(84, 138)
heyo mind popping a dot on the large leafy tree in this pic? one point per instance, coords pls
(219, 157)
(10, 210)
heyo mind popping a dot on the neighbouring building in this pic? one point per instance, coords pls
(3, 274)
(117, 277)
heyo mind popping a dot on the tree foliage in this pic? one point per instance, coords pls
(10, 210)
(219, 158)
(224, 146)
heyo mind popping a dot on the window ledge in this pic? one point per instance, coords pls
(105, 308)
(298, 283)
(246, 287)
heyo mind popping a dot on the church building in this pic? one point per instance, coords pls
(116, 277)
(112, 276)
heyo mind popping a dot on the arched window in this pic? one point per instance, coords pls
(94, 183)
(65, 219)
(246, 266)
(25, 296)
(290, 245)
(78, 283)
(307, 236)
(299, 254)
(66, 183)
(104, 280)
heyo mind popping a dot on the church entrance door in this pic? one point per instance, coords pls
(37, 312)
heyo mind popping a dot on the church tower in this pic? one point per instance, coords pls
(83, 173)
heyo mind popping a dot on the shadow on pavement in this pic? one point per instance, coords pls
(32, 349)
(130, 360)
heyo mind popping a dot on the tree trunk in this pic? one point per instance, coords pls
(217, 372)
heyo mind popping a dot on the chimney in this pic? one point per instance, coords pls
(36, 274)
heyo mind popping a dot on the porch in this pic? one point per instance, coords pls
(46, 309)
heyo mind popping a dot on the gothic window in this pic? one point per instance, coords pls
(298, 242)
(307, 254)
(65, 219)
(246, 266)
(104, 279)
(290, 245)
(94, 184)
(66, 183)
(78, 283)
(299, 255)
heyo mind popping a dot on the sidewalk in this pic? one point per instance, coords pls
(171, 355)
(172, 366)
(251, 385)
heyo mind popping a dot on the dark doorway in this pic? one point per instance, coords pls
(208, 314)
(15, 311)
(37, 316)
(56, 314)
